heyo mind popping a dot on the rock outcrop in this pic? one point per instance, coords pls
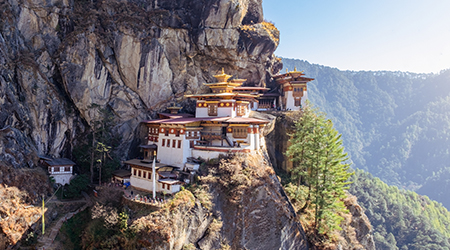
(356, 231)
(246, 208)
(134, 57)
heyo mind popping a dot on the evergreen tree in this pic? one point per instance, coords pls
(321, 165)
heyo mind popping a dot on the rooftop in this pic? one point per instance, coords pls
(58, 162)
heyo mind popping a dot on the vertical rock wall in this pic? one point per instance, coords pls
(58, 57)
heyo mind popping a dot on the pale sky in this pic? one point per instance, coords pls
(394, 35)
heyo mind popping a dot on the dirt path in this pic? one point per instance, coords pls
(49, 237)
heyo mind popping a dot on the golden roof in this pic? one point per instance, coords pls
(222, 77)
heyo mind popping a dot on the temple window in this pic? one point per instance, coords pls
(177, 133)
(240, 132)
(139, 173)
(297, 102)
(134, 172)
(174, 142)
(212, 109)
(168, 143)
(167, 132)
(298, 92)
(143, 174)
(241, 109)
(163, 142)
(149, 176)
(66, 168)
(179, 143)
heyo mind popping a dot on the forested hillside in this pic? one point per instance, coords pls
(401, 219)
(396, 125)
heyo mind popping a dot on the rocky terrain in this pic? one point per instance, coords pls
(134, 57)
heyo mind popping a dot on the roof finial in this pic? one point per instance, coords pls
(223, 72)
(295, 68)
(287, 70)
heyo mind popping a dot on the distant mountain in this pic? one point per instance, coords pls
(396, 125)
(401, 219)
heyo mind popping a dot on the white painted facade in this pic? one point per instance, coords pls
(173, 155)
(145, 182)
(60, 174)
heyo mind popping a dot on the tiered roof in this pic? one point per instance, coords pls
(292, 77)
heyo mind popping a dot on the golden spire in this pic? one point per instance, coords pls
(222, 77)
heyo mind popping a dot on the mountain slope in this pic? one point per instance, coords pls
(396, 125)
(401, 219)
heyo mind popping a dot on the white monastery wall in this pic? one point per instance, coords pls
(201, 112)
(62, 179)
(226, 111)
(205, 154)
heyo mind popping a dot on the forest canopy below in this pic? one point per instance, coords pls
(395, 125)
(401, 219)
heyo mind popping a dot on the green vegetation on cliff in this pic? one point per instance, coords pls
(401, 219)
(320, 172)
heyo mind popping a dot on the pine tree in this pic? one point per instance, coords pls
(321, 164)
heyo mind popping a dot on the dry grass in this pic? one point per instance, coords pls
(156, 228)
(16, 215)
(236, 174)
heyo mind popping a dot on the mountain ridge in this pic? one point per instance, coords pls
(393, 123)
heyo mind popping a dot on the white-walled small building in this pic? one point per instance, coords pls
(141, 176)
(293, 88)
(60, 169)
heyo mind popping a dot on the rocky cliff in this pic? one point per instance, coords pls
(245, 208)
(134, 57)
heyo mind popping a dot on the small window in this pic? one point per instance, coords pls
(149, 176)
(177, 133)
(297, 102)
(67, 169)
(163, 185)
(168, 186)
(212, 109)
(167, 132)
(174, 142)
(139, 173)
(241, 110)
(179, 143)
(163, 142)
(168, 143)
(134, 172)
(240, 132)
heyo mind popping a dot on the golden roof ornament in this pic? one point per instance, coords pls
(174, 108)
(296, 73)
(222, 77)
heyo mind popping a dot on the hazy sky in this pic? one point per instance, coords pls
(405, 35)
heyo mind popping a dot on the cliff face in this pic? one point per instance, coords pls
(239, 203)
(58, 57)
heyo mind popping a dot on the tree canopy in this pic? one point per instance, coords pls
(320, 165)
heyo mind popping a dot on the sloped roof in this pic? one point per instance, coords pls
(180, 115)
(59, 162)
(122, 173)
